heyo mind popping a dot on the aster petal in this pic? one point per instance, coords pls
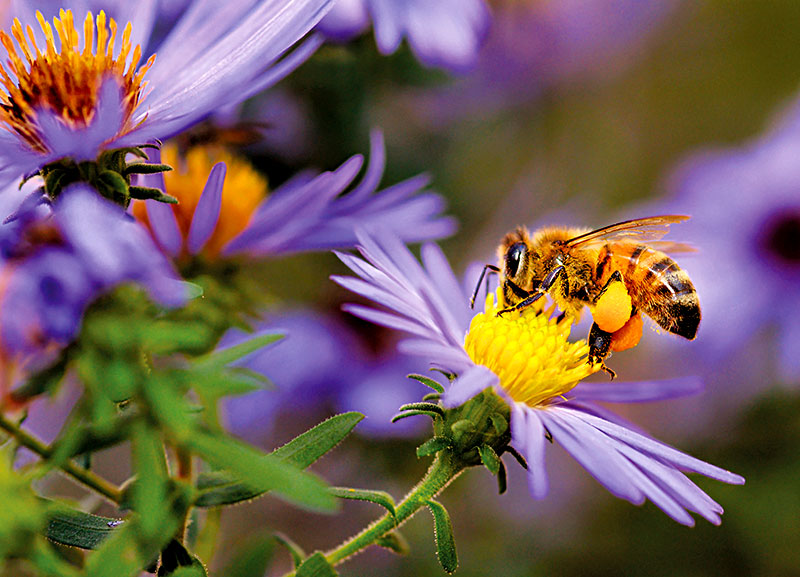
(219, 69)
(446, 356)
(468, 384)
(385, 319)
(594, 451)
(206, 214)
(789, 346)
(637, 392)
(528, 433)
(663, 452)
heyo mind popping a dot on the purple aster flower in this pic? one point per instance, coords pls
(216, 54)
(341, 372)
(230, 212)
(745, 207)
(528, 361)
(534, 45)
(62, 261)
(442, 33)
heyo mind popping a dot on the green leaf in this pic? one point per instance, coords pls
(316, 566)
(294, 549)
(223, 357)
(253, 558)
(381, 498)
(195, 570)
(432, 446)
(445, 541)
(145, 168)
(42, 381)
(394, 541)
(502, 479)
(192, 290)
(263, 472)
(428, 382)
(407, 414)
(148, 193)
(489, 458)
(427, 407)
(75, 528)
(220, 488)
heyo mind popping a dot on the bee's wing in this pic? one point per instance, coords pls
(639, 229)
(671, 247)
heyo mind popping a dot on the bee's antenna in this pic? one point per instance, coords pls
(490, 268)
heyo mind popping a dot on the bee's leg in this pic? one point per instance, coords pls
(492, 269)
(613, 306)
(599, 348)
(537, 293)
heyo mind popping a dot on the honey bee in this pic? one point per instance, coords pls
(610, 271)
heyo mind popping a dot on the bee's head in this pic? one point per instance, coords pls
(515, 254)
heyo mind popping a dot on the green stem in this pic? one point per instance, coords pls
(80, 474)
(444, 469)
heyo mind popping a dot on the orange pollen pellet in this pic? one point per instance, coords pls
(66, 82)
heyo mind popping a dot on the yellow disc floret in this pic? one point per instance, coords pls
(66, 81)
(244, 189)
(529, 351)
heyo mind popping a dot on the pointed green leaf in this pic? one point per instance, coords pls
(407, 414)
(499, 422)
(445, 541)
(502, 479)
(381, 498)
(226, 356)
(489, 458)
(428, 382)
(316, 566)
(427, 407)
(432, 446)
(148, 193)
(263, 472)
(75, 528)
(220, 488)
(294, 549)
(394, 541)
(192, 290)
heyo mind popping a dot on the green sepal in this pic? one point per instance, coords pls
(499, 422)
(432, 446)
(149, 193)
(381, 498)
(519, 458)
(295, 551)
(75, 528)
(450, 376)
(432, 397)
(395, 542)
(445, 540)
(221, 488)
(463, 427)
(113, 186)
(399, 416)
(502, 479)
(428, 382)
(316, 566)
(145, 168)
(489, 459)
(427, 407)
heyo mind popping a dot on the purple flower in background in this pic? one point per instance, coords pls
(745, 207)
(527, 359)
(534, 45)
(341, 372)
(216, 54)
(55, 265)
(442, 33)
(310, 212)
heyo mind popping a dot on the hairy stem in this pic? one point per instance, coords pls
(84, 476)
(442, 471)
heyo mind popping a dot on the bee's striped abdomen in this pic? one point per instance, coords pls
(660, 288)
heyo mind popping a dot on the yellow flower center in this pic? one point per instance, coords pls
(528, 351)
(66, 81)
(244, 189)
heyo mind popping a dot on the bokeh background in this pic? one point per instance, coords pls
(578, 113)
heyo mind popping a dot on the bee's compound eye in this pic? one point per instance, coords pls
(514, 256)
